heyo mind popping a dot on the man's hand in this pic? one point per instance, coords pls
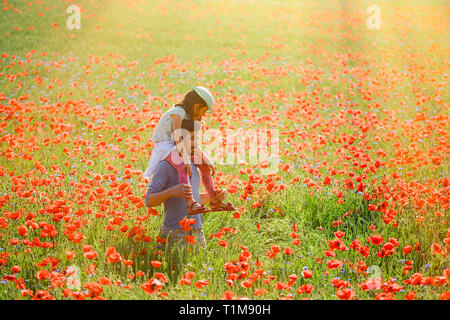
(181, 190)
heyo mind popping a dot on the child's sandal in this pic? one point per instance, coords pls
(201, 209)
(224, 206)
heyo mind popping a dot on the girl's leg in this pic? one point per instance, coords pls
(207, 179)
(208, 182)
(175, 160)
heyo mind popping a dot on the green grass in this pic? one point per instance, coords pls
(271, 50)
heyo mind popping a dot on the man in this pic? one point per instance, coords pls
(164, 187)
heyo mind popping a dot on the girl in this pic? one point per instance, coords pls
(169, 145)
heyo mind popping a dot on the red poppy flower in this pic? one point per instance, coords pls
(114, 257)
(228, 295)
(305, 288)
(160, 276)
(42, 274)
(333, 264)
(376, 239)
(105, 281)
(307, 273)
(152, 286)
(15, 269)
(22, 231)
(190, 239)
(339, 234)
(407, 250)
(91, 255)
(42, 295)
(246, 284)
(345, 294)
(436, 248)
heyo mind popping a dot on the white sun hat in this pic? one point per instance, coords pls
(206, 96)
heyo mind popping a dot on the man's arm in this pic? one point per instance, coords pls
(158, 192)
(154, 199)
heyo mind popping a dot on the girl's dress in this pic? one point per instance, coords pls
(163, 139)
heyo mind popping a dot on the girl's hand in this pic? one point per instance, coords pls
(220, 195)
(188, 167)
(211, 168)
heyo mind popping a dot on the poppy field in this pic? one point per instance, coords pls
(356, 207)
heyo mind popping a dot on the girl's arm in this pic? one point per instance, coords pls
(178, 137)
